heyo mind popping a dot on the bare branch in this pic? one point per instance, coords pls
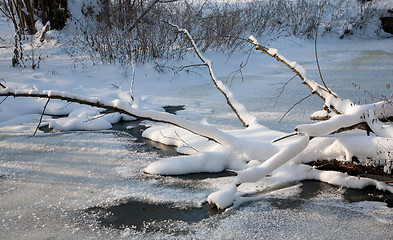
(282, 89)
(42, 114)
(188, 66)
(154, 2)
(286, 136)
(239, 70)
(4, 100)
(315, 48)
(361, 126)
(294, 105)
(149, 7)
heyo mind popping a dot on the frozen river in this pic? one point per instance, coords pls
(91, 185)
(61, 186)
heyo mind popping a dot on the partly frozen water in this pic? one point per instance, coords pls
(50, 185)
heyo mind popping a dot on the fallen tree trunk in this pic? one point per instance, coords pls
(209, 132)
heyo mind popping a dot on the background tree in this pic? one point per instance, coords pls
(25, 13)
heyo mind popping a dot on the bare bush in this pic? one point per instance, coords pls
(118, 31)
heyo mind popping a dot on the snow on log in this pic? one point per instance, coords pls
(210, 132)
(225, 198)
(370, 113)
(257, 173)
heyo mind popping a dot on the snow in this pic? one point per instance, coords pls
(79, 123)
(255, 174)
(253, 40)
(62, 173)
(224, 198)
(208, 162)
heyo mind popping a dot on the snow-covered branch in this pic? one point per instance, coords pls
(225, 198)
(350, 115)
(210, 132)
(331, 99)
(241, 112)
(369, 114)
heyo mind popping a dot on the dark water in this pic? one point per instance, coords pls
(150, 217)
(137, 214)
(136, 128)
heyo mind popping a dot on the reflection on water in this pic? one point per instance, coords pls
(371, 56)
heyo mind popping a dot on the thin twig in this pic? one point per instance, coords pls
(4, 99)
(68, 104)
(382, 98)
(188, 145)
(95, 117)
(316, 52)
(42, 114)
(234, 73)
(148, 8)
(282, 90)
(286, 136)
(72, 57)
(189, 66)
(179, 138)
(294, 105)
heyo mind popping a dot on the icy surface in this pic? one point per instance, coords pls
(48, 181)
